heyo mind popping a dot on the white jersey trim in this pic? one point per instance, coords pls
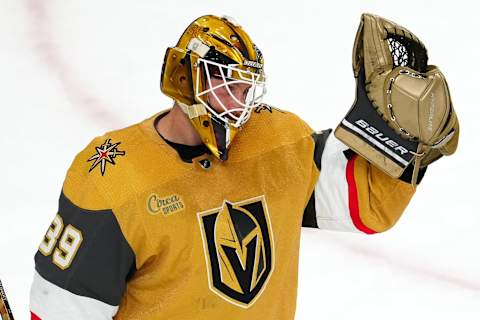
(50, 302)
(331, 190)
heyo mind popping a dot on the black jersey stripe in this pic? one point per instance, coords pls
(320, 139)
(309, 215)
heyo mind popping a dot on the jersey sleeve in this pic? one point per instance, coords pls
(351, 194)
(84, 261)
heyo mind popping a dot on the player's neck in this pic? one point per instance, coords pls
(176, 127)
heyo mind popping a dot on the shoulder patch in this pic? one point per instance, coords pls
(105, 153)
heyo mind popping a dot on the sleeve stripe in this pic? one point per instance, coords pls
(353, 198)
(34, 316)
(309, 219)
(332, 190)
(336, 192)
(320, 139)
(50, 302)
(103, 262)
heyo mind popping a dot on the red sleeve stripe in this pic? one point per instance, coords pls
(34, 316)
(353, 198)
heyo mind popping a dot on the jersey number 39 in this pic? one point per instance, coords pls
(70, 241)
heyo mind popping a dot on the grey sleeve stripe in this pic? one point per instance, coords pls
(103, 262)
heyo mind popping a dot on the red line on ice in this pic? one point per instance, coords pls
(50, 52)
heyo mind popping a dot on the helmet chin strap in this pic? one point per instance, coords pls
(193, 111)
(215, 134)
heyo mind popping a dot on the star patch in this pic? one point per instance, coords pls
(107, 152)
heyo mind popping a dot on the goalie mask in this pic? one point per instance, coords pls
(215, 73)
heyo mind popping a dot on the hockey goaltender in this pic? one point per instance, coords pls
(196, 212)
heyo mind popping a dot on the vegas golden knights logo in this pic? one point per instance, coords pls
(239, 252)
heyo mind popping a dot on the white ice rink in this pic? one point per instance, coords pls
(71, 70)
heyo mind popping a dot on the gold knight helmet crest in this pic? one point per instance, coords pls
(239, 253)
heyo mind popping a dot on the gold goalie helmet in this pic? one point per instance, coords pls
(214, 55)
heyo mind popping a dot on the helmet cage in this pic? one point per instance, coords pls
(231, 74)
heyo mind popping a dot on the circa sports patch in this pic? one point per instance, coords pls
(239, 252)
(106, 153)
(166, 205)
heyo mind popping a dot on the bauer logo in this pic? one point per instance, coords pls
(253, 64)
(239, 253)
(380, 136)
(164, 205)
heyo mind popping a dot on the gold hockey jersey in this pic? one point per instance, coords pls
(141, 234)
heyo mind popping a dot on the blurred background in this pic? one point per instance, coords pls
(72, 70)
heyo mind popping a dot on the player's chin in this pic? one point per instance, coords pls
(236, 109)
(231, 113)
(234, 116)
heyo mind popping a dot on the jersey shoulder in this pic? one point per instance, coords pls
(97, 172)
(280, 121)
(270, 128)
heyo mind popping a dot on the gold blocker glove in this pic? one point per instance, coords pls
(403, 112)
